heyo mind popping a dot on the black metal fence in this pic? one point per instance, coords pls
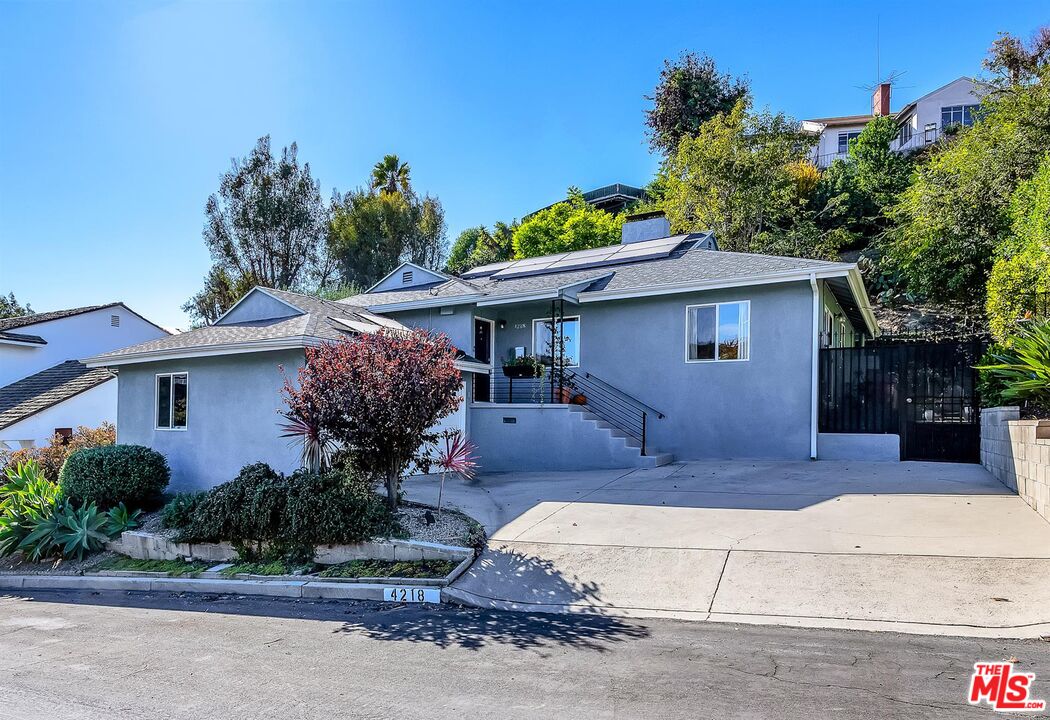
(924, 391)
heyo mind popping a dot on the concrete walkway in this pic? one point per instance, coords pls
(920, 547)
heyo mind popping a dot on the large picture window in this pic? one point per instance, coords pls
(958, 115)
(720, 331)
(172, 401)
(545, 345)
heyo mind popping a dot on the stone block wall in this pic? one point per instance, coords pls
(1017, 453)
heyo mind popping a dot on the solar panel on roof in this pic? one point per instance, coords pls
(580, 259)
(487, 269)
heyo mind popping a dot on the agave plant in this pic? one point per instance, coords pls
(458, 457)
(1023, 366)
(80, 530)
(118, 519)
(27, 501)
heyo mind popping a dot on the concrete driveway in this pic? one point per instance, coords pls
(919, 547)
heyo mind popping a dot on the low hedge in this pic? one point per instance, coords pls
(289, 514)
(107, 476)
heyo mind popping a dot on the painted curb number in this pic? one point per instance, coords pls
(412, 595)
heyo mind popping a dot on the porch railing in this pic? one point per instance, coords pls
(610, 404)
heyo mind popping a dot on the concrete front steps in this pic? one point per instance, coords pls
(622, 445)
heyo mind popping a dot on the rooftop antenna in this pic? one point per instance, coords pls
(893, 76)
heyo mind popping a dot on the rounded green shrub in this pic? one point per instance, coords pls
(289, 515)
(178, 513)
(107, 476)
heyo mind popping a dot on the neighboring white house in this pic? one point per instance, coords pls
(921, 121)
(44, 388)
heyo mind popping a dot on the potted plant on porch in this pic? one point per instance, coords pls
(525, 366)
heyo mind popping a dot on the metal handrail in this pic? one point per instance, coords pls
(625, 396)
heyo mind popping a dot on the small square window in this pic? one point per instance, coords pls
(564, 345)
(718, 332)
(845, 140)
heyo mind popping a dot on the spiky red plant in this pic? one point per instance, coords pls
(458, 457)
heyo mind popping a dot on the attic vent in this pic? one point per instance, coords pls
(406, 277)
(114, 320)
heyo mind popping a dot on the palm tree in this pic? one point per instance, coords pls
(391, 175)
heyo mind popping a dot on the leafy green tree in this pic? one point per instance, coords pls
(690, 92)
(882, 173)
(853, 195)
(266, 225)
(1015, 62)
(478, 246)
(391, 175)
(951, 220)
(745, 175)
(1023, 266)
(372, 232)
(566, 226)
(10, 308)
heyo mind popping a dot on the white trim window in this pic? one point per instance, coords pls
(846, 139)
(543, 344)
(172, 400)
(718, 332)
(958, 115)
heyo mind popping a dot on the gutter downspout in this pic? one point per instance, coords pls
(814, 368)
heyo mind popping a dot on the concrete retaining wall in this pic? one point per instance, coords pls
(148, 546)
(1017, 453)
(542, 438)
(869, 447)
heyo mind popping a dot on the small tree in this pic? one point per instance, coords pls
(378, 396)
(691, 91)
(566, 226)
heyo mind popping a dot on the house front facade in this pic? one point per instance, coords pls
(44, 388)
(921, 122)
(654, 350)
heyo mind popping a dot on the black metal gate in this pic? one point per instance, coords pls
(923, 391)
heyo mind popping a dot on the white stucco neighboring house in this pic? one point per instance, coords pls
(44, 388)
(921, 121)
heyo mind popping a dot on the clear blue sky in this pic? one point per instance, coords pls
(117, 118)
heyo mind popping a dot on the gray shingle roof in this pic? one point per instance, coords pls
(316, 321)
(47, 388)
(22, 337)
(24, 320)
(36, 318)
(681, 266)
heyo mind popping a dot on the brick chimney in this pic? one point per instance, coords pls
(880, 100)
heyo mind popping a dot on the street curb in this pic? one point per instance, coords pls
(316, 590)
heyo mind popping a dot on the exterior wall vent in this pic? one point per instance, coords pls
(114, 320)
(406, 277)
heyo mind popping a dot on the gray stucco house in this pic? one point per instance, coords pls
(661, 348)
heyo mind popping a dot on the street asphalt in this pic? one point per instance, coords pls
(125, 655)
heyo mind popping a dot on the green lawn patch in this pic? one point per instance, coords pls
(275, 567)
(175, 568)
(388, 568)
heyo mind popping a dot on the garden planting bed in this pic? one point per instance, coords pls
(151, 552)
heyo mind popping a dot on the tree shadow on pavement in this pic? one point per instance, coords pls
(473, 629)
(507, 579)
